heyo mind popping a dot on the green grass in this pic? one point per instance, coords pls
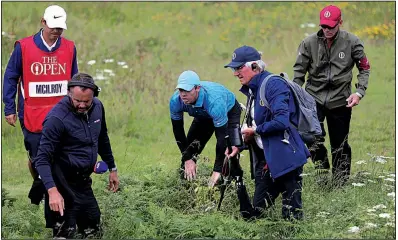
(160, 40)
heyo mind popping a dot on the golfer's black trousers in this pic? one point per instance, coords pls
(201, 131)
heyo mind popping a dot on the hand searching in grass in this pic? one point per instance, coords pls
(56, 201)
(113, 181)
(214, 178)
(190, 170)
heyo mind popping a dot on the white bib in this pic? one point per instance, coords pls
(48, 89)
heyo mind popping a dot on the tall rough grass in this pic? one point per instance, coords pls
(157, 41)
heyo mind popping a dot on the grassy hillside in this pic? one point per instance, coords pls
(150, 45)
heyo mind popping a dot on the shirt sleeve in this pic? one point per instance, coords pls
(277, 94)
(74, 63)
(104, 144)
(11, 77)
(363, 65)
(300, 67)
(221, 146)
(50, 142)
(181, 139)
(176, 111)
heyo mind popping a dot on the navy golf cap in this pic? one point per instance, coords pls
(243, 55)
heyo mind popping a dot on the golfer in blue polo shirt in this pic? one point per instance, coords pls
(214, 109)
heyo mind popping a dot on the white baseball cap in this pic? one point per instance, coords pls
(55, 17)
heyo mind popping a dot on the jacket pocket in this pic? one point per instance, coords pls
(293, 141)
(288, 140)
(79, 136)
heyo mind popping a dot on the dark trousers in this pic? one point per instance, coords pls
(288, 185)
(201, 131)
(268, 189)
(81, 216)
(338, 120)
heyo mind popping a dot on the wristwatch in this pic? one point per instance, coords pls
(359, 95)
(113, 169)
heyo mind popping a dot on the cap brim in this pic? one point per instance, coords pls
(329, 23)
(186, 87)
(56, 24)
(234, 64)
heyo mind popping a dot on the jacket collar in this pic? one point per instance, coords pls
(40, 43)
(201, 96)
(254, 83)
(321, 35)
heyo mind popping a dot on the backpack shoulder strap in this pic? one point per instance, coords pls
(263, 86)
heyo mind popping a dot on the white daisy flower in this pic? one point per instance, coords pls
(386, 157)
(361, 162)
(125, 66)
(370, 225)
(380, 206)
(380, 160)
(121, 63)
(91, 62)
(391, 194)
(354, 229)
(390, 179)
(389, 224)
(384, 215)
(110, 60)
(358, 184)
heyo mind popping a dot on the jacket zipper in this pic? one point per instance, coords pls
(89, 132)
(329, 70)
(287, 141)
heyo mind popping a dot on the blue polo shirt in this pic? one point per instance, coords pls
(14, 72)
(214, 102)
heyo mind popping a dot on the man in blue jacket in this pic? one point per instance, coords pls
(74, 133)
(44, 59)
(279, 157)
(215, 109)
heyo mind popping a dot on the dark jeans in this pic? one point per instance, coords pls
(201, 131)
(338, 120)
(83, 214)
